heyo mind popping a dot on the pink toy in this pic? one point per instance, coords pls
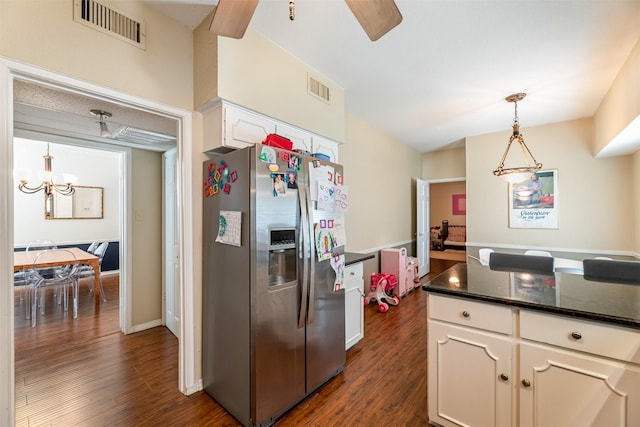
(382, 286)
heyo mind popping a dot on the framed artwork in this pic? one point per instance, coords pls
(533, 203)
(459, 204)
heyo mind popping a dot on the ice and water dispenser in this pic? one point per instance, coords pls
(282, 256)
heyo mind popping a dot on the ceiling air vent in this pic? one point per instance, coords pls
(109, 21)
(318, 90)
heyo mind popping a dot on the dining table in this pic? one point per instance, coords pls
(24, 260)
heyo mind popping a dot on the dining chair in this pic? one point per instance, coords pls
(93, 246)
(483, 255)
(42, 275)
(521, 263)
(615, 271)
(87, 271)
(474, 260)
(538, 253)
(21, 278)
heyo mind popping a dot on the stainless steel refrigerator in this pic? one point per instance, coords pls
(273, 320)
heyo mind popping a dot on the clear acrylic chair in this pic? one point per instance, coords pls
(93, 246)
(21, 278)
(87, 270)
(45, 274)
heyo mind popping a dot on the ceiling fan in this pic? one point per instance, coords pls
(377, 17)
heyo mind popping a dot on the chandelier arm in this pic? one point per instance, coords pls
(64, 189)
(524, 152)
(29, 190)
(498, 170)
(536, 163)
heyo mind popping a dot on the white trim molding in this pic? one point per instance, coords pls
(10, 70)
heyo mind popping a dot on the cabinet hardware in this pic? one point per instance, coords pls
(576, 335)
(465, 314)
(526, 383)
(504, 377)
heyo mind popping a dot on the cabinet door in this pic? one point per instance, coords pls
(326, 146)
(301, 139)
(244, 129)
(563, 388)
(354, 304)
(470, 379)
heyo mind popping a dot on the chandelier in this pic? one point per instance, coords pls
(47, 184)
(531, 166)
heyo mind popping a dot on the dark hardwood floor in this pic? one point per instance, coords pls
(84, 372)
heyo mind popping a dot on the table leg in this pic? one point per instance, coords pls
(96, 281)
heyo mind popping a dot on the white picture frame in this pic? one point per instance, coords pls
(533, 203)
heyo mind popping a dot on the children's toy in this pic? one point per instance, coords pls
(382, 286)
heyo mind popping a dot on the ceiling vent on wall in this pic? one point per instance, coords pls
(141, 136)
(111, 22)
(318, 90)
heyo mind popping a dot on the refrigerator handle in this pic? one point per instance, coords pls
(312, 253)
(303, 243)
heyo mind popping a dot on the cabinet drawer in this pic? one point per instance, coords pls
(353, 271)
(606, 340)
(474, 314)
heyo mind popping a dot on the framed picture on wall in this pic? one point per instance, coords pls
(459, 204)
(533, 203)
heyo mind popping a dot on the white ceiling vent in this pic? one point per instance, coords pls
(318, 90)
(109, 21)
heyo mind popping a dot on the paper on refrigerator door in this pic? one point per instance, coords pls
(321, 174)
(229, 228)
(337, 263)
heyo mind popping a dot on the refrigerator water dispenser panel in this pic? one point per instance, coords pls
(282, 256)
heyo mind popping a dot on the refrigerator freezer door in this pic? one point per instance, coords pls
(278, 348)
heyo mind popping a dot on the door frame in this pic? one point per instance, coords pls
(10, 70)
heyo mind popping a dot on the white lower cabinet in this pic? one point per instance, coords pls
(564, 388)
(354, 304)
(493, 365)
(470, 380)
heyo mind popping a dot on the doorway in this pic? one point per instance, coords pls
(9, 72)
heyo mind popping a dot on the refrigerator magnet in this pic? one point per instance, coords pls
(292, 179)
(268, 155)
(278, 184)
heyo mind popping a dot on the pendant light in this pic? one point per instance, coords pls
(531, 165)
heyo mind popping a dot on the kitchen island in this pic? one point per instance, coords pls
(509, 349)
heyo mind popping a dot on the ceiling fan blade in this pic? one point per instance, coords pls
(377, 17)
(231, 17)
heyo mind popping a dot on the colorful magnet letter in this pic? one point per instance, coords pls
(227, 188)
(234, 176)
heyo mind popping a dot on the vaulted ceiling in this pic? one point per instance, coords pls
(443, 73)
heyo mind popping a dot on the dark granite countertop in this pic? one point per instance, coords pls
(561, 293)
(352, 257)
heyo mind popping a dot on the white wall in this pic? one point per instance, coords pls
(380, 174)
(93, 168)
(257, 74)
(43, 33)
(595, 196)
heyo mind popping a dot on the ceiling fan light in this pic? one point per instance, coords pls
(104, 130)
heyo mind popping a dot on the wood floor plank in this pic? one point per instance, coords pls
(84, 372)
